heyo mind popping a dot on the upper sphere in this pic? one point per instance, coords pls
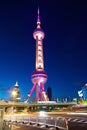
(38, 32)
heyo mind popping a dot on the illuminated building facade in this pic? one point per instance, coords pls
(15, 93)
(39, 76)
(83, 93)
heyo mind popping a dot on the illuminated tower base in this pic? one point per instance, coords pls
(39, 77)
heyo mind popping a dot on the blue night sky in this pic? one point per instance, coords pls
(65, 45)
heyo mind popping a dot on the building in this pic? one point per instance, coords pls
(83, 93)
(15, 93)
(49, 93)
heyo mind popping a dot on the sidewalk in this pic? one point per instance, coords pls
(15, 127)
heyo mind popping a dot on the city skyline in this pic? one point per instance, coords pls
(65, 45)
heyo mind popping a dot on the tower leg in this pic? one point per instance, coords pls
(30, 93)
(43, 93)
(37, 92)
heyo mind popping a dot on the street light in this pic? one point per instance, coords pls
(42, 113)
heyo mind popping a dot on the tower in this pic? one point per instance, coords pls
(39, 76)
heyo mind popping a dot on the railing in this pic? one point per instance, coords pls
(56, 122)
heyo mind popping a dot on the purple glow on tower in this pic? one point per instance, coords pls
(38, 17)
(39, 76)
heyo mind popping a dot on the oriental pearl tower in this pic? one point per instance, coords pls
(39, 76)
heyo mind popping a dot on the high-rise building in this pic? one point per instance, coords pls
(49, 93)
(39, 76)
(15, 93)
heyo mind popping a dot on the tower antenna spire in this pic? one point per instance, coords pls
(38, 10)
(38, 18)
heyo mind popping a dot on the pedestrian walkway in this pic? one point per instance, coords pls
(21, 127)
(14, 127)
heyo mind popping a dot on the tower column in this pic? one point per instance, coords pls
(37, 92)
(39, 54)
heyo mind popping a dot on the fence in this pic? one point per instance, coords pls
(56, 122)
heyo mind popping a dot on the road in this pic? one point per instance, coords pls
(75, 122)
(72, 126)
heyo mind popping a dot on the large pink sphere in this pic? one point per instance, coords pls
(39, 77)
